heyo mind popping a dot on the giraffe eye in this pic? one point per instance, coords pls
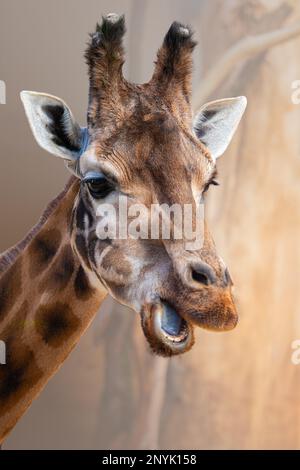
(99, 187)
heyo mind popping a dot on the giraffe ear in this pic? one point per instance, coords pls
(53, 125)
(217, 121)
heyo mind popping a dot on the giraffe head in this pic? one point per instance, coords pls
(143, 146)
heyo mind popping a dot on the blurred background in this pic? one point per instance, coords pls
(234, 390)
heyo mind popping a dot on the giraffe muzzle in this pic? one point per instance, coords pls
(167, 332)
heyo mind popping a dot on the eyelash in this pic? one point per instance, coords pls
(105, 187)
(211, 182)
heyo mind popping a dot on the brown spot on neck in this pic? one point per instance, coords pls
(43, 249)
(82, 287)
(60, 274)
(56, 323)
(20, 373)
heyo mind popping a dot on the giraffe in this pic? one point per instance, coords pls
(141, 141)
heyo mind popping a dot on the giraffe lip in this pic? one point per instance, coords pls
(172, 324)
(169, 326)
(167, 332)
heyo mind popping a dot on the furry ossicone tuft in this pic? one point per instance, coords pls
(173, 69)
(112, 28)
(179, 36)
(171, 79)
(105, 58)
(106, 42)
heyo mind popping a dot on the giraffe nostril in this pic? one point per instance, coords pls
(200, 277)
(203, 274)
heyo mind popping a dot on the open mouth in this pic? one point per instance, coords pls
(170, 324)
(167, 332)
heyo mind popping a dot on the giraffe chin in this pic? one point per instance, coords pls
(166, 331)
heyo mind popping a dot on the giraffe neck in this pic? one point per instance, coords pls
(47, 300)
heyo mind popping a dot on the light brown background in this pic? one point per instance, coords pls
(238, 390)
